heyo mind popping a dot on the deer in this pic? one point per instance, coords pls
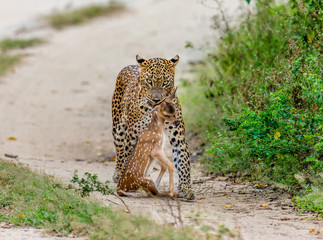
(136, 173)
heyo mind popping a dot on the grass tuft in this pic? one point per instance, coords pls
(312, 201)
(9, 44)
(81, 15)
(7, 62)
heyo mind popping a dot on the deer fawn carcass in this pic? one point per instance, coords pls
(136, 173)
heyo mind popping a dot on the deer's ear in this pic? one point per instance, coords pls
(173, 94)
(175, 60)
(142, 62)
(156, 108)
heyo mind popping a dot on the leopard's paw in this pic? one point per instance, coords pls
(116, 176)
(188, 194)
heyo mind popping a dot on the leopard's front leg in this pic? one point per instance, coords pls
(119, 140)
(128, 133)
(181, 156)
(134, 130)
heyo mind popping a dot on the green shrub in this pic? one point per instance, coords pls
(263, 87)
(283, 138)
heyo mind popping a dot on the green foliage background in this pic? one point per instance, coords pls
(261, 92)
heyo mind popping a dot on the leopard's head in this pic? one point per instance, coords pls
(156, 78)
(167, 109)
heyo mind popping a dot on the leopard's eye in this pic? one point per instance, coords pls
(148, 80)
(165, 84)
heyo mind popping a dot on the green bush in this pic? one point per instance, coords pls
(263, 88)
(283, 138)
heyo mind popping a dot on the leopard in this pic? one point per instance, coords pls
(139, 88)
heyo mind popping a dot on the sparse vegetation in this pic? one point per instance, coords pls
(263, 91)
(78, 16)
(9, 43)
(312, 199)
(7, 62)
(32, 199)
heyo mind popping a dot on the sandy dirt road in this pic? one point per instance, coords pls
(57, 104)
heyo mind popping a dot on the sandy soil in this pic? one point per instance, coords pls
(57, 104)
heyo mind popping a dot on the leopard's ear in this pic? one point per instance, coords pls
(142, 62)
(175, 60)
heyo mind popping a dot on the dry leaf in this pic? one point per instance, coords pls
(114, 158)
(237, 227)
(12, 138)
(309, 219)
(156, 202)
(260, 185)
(265, 206)
(222, 178)
(201, 198)
(228, 206)
(312, 230)
(79, 160)
(285, 219)
(320, 233)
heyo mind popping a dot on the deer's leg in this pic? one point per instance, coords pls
(163, 159)
(148, 185)
(161, 174)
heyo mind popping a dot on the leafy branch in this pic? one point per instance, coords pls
(91, 184)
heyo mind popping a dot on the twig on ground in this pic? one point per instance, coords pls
(205, 190)
(179, 213)
(128, 209)
(9, 155)
(178, 218)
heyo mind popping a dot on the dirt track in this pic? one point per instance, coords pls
(57, 105)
